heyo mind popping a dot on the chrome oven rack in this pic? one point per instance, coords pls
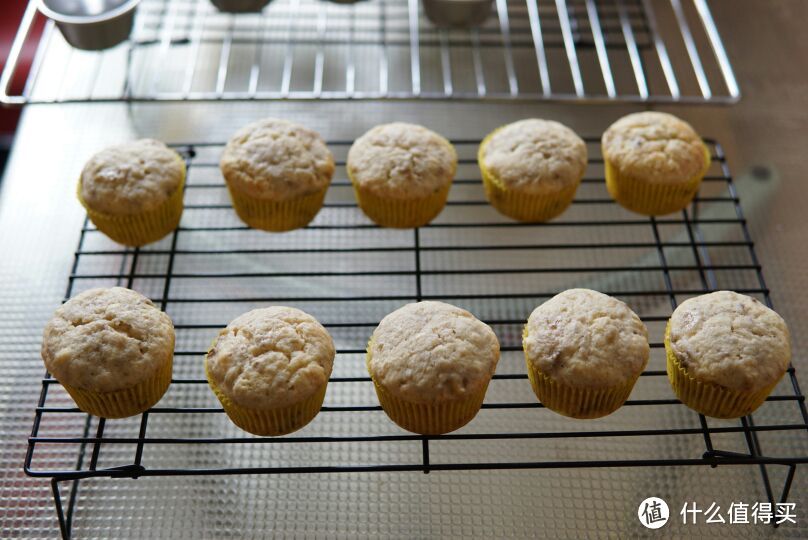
(349, 273)
(583, 50)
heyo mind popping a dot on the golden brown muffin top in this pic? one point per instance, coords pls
(730, 339)
(277, 160)
(271, 357)
(653, 146)
(106, 340)
(535, 156)
(429, 352)
(586, 339)
(130, 178)
(402, 161)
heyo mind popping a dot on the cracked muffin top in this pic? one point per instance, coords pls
(277, 160)
(106, 340)
(271, 357)
(586, 339)
(534, 156)
(429, 352)
(401, 161)
(656, 147)
(730, 339)
(130, 178)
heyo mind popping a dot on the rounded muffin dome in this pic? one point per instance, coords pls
(731, 340)
(107, 340)
(429, 352)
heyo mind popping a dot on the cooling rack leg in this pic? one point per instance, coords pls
(786, 488)
(64, 526)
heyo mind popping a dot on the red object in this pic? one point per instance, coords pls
(9, 23)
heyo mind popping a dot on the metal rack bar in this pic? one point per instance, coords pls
(569, 47)
(692, 51)
(507, 51)
(600, 47)
(538, 45)
(403, 40)
(633, 50)
(717, 46)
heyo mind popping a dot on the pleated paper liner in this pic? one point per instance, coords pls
(708, 398)
(401, 213)
(277, 216)
(270, 422)
(430, 418)
(141, 228)
(578, 402)
(526, 207)
(649, 198)
(127, 402)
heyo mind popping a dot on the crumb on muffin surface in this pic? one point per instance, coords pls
(586, 339)
(730, 339)
(535, 156)
(401, 161)
(429, 352)
(106, 340)
(132, 177)
(271, 357)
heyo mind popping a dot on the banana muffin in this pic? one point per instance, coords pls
(401, 174)
(112, 350)
(133, 191)
(270, 368)
(277, 174)
(654, 162)
(431, 364)
(531, 169)
(726, 352)
(584, 351)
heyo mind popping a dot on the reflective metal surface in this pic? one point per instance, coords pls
(764, 136)
(457, 12)
(91, 24)
(654, 51)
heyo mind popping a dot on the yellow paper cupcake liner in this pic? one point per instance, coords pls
(527, 207)
(277, 216)
(430, 418)
(578, 402)
(401, 214)
(708, 398)
(270, 422)
(141, 228)
(573, 401)
(652, 199)
(126, 402)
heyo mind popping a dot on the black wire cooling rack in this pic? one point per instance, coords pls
(349, 273)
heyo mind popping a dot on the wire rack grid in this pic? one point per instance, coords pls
(597, 50)
(349, 273)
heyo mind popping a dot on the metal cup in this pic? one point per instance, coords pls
(458, 13)
(240, 6)
(91, 24)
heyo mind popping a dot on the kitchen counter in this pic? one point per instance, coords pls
(765, 138)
